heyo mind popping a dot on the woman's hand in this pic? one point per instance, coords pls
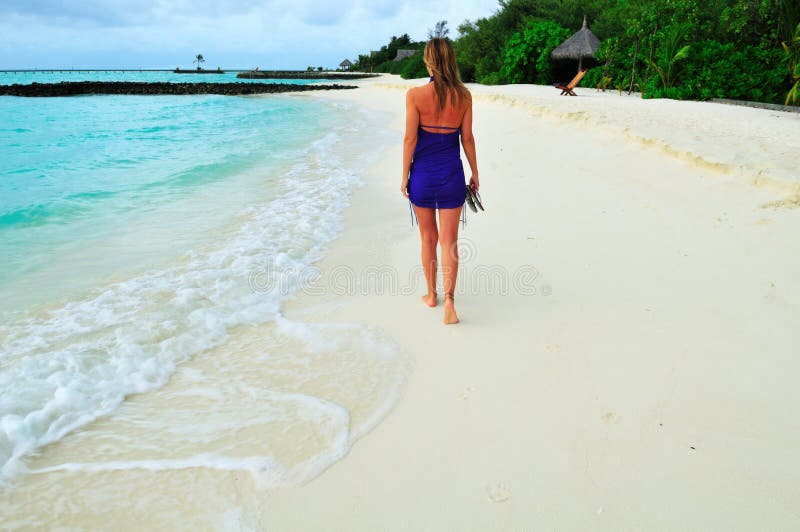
(474, 184)
(404, 187)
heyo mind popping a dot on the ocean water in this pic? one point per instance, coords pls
(148, 244)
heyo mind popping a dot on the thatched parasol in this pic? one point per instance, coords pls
(582, 45)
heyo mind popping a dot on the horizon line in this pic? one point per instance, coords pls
(146, 69)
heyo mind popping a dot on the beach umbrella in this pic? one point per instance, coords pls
(582, 45)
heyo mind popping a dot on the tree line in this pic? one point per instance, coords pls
(681, 49)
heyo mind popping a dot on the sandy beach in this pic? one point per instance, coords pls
(627, 352)
(626, 357)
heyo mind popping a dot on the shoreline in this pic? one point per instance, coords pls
(266, 419)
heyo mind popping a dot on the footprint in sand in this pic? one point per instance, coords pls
(498, 492)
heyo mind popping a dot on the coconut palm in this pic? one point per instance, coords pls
(441, 30)
(671, 54)
(199, 59)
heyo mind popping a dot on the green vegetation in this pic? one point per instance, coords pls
(198, 59)
(526, 54)
(793, 58)
(383, 60)
(672, 53)
(684, 49)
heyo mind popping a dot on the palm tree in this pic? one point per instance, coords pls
(672, 53)
(441, 30)
(793, 57)
(199, 59)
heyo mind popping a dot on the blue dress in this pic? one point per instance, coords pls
(436, 179)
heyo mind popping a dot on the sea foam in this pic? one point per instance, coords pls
(62, 368)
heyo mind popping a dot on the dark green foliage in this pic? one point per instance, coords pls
(479, 48)
(593, 76)
(414, 67)
(390, 67)
(731, 52)
(696, 49)
(526, 54)
(788, 18)
(481, 44)
(408, 68)
(671, 53)
(386, 53)
(792, 58)
(718, 70)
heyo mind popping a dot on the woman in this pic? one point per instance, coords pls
(433, 176)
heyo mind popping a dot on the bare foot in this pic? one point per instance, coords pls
(430, 299)
(450, 315)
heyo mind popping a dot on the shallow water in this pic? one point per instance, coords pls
(148, 245)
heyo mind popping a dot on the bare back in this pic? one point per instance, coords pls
(431, 115)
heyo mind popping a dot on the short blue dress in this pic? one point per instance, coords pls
(436, 179)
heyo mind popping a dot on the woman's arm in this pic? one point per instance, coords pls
(468, 142)
(409, 140)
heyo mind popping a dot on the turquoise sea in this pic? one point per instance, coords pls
(139, 236)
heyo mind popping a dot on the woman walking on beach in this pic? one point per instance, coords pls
(433, 175)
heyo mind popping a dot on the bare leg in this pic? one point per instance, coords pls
(448, 239)
(429, 234)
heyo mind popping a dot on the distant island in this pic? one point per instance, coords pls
(198, 70)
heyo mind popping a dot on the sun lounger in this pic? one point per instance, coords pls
(567, 89)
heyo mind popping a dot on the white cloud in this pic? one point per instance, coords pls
(231, 33)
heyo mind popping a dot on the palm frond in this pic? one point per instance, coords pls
(683, 53)
(794, 94)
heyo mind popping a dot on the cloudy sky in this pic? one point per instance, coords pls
(271, 34)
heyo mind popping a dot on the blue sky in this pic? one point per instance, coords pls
(270, 34)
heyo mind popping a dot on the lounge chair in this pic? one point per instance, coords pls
(567, 89)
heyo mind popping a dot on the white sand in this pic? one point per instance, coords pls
(627, 357)
(644, 379)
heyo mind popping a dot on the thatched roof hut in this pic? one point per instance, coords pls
(345, 65)
(402, 54)
(580, 46)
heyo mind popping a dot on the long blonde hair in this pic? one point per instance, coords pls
(440, 58)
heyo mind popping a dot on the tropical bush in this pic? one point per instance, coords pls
(792, 49)
(383, 56)
(698, 49)
(391, 67)
(414, 67)
(717, 70)
(526, 54)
